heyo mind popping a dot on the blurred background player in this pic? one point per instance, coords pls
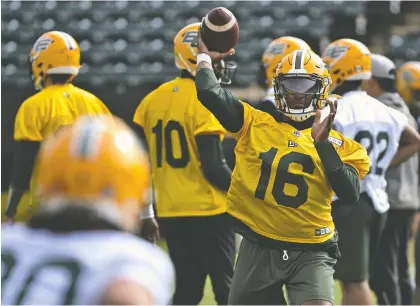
(54, 62)
(190, 177)
(93, 181)
(275, 52)
(379, 129)
(391, 280)
(285, 216)
(408, 85)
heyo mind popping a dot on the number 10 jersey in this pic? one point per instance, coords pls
(279, 188)
(171, 117)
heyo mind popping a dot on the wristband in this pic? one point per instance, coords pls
(203, 57)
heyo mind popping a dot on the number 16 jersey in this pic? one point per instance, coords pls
(172, 116)
(279, 187)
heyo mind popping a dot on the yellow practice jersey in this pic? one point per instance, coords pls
(171, 117)
(53, 107)
(279, 188)
(45, 112)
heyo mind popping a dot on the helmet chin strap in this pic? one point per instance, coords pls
(299, 118)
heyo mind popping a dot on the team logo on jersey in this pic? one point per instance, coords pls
(292, 144)
(296, 133)
(335, 141)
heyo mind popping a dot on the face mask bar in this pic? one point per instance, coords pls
(31, 74)
(299, 95)
(416, 95)
(225, 71)
(307, 86)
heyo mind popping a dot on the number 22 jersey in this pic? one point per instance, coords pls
(279, 187)
(171, 117)
(378, 128)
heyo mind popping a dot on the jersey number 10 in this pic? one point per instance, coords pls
(164, 136)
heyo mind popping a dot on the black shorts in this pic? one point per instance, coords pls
(200, 247)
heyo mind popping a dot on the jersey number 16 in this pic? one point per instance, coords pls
(283, 177)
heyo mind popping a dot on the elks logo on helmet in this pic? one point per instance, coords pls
(274, 53)
(336, 51)
(42, 44)
(186, 50)
(347, 60)
(275, 49)
(408, 76)
(54, 52)
(191, 37)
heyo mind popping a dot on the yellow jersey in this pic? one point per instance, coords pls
(171, 117)
(43, 114)
(279, 188)
(53, 107)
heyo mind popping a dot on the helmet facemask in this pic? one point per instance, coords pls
(415, 93)
(225, 71)
(37, 82)
(299, 96)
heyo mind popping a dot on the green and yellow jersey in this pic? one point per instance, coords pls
(280, 187)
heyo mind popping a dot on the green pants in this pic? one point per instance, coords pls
(261, 272)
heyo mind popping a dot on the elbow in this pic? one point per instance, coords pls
(348, 192)
(354, 195)
(206, 95)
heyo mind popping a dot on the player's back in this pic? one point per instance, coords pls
(378, 128)
(53, 107)
(172, 117)
(41, 267)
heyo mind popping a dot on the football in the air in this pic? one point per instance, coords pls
(220, 30)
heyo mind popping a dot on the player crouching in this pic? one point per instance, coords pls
(93, 181)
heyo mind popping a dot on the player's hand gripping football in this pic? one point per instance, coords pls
(321, 129)
(214, 55)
